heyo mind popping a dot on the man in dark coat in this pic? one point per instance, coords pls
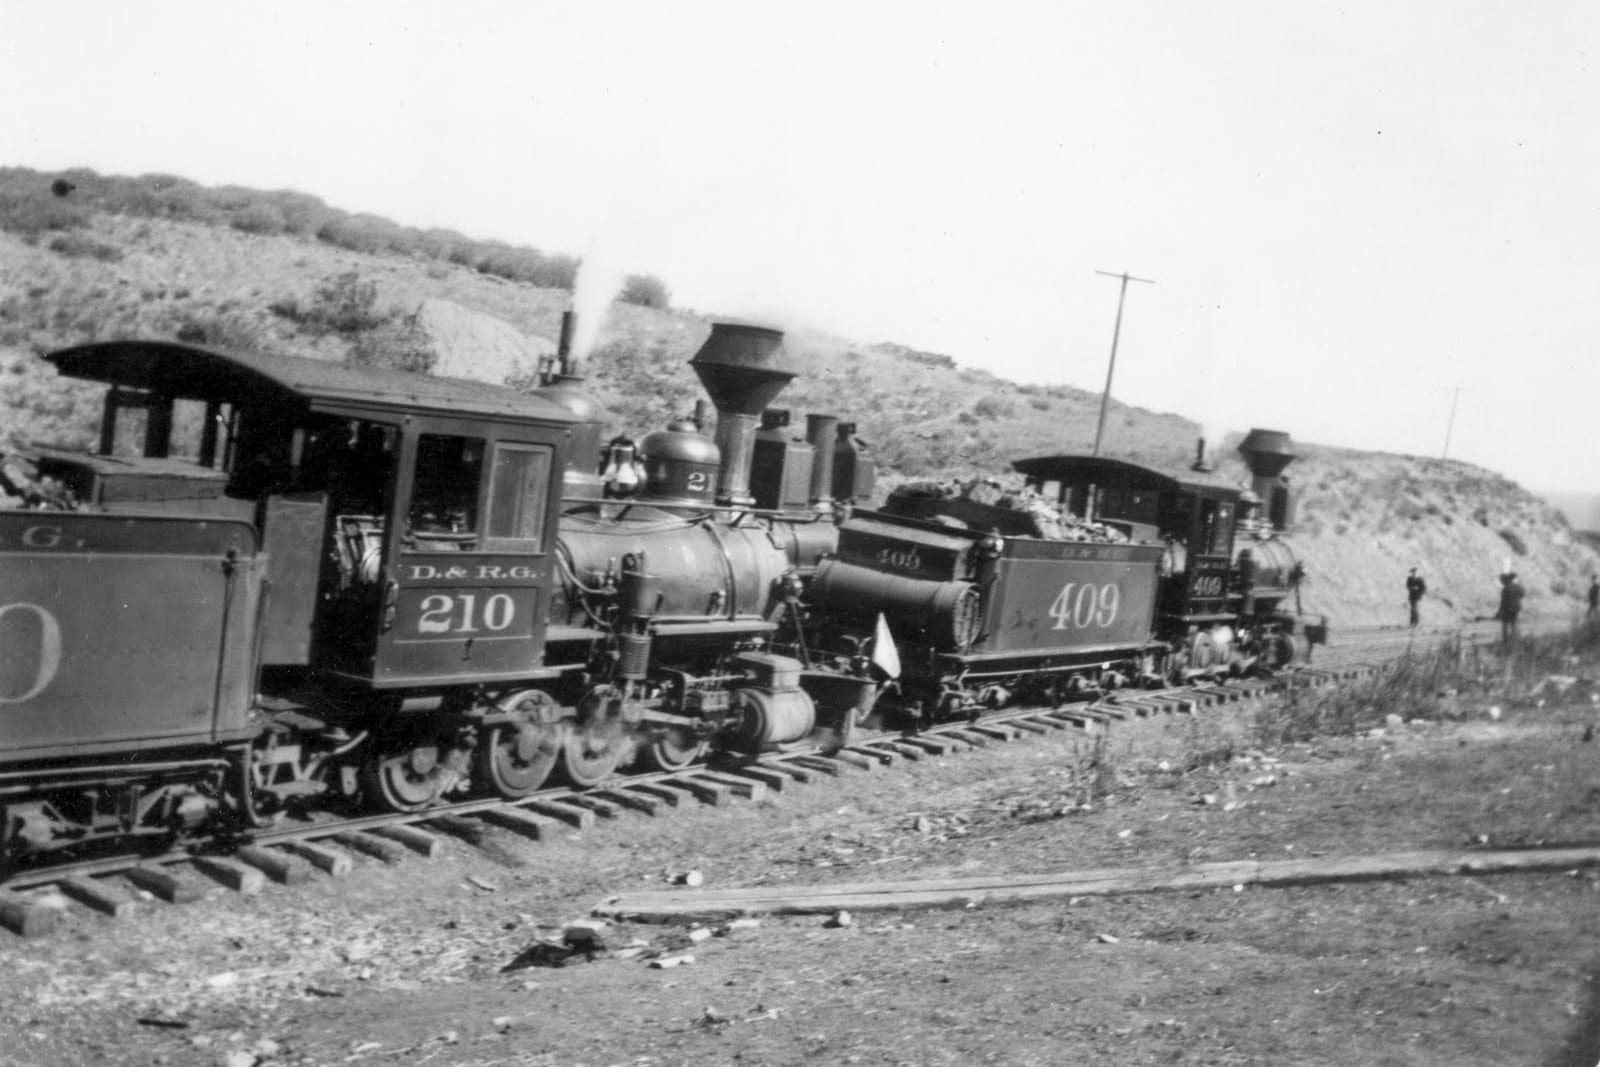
(1511, 594)
(1594, 596)
(1415, 587)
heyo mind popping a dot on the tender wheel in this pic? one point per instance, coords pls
(598, 740)
(516, 758)
(672, 751)
(410, 781)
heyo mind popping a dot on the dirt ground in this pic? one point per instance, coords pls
(438, 961)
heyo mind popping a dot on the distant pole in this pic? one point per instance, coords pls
(1451, 425)
(1111, 368)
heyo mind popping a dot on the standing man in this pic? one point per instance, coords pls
(1511, 593)
(1594, 596)
(1415, 587)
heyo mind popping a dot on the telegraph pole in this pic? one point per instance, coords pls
(1105, 398)
(1451, 425)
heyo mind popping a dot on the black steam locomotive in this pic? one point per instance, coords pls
(287, 581)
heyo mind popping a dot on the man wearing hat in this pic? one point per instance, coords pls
(1511, 594)
(1415, 587)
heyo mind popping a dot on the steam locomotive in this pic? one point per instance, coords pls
(287, 581)
(1099, 574)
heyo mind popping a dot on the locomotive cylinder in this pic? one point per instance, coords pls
(769, 717)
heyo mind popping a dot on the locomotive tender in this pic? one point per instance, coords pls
(287, 581)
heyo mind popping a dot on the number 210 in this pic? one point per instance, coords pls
(441, 614)
(1096, 604)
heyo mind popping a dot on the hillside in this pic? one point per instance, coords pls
(114, 272)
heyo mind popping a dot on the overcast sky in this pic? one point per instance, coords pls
(1349, 209)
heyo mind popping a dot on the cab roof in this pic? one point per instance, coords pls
(194, 372)
(1108, 473)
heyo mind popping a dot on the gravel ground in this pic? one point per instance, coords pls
(448, 961)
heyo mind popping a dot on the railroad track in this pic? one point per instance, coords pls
(33, 902)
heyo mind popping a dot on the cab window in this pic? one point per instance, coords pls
(444, 495)
(518, 489)
(1216, 527)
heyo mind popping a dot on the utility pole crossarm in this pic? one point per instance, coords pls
(1111, 368)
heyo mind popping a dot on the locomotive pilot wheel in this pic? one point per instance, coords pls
(673, 750)
(598, 739)
(516, 757)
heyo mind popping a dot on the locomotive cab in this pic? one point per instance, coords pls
(406, 522)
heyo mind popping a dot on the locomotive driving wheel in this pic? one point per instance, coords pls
(516, 757)
(408, 781)
(598, 739)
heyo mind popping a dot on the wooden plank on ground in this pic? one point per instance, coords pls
(997, 889)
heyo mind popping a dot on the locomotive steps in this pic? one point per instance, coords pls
(33, 904)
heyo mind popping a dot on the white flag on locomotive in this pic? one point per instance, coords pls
(884, 655)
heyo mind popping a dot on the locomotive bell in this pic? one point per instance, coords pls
(737, 366)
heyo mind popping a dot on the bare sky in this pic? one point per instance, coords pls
(1350, 209)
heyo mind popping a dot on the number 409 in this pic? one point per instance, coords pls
(1081, 605)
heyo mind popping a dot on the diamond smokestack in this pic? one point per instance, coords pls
(737, 366)
(1267, 453)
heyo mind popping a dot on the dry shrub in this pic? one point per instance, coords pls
(77, 246)
(1427, 684)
